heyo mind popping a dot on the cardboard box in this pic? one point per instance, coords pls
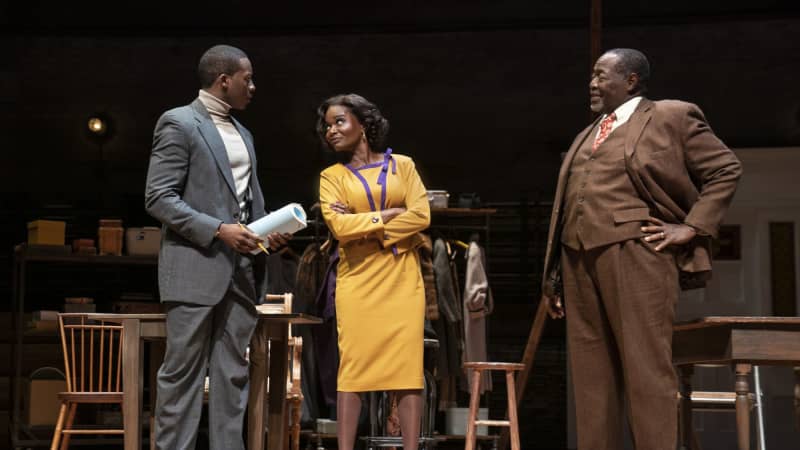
(42, 326)
(46, 232)
(131, 307)
(80, 308)
(41, 396)
(326, 426)
(456, 421)
(438, 198)
(109, 237)
(45, 314)
(80, 245)
(144, 241)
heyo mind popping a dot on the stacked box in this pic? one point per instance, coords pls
(142, 241)
(46, 232)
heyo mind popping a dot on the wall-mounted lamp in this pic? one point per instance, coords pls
(97, 126)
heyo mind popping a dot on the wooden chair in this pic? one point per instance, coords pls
(93, 363)
(278, 304)
(294, 393)
(477, 369)
(716, 401)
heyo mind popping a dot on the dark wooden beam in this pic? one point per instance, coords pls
(535, 336)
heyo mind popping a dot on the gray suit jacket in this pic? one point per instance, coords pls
(190, 190)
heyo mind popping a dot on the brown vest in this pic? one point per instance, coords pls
(601, 205)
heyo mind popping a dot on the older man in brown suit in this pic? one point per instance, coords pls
(640, 194)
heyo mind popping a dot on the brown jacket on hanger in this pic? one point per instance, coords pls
(426, 265)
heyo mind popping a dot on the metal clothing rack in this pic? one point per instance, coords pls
(453, 222)
(459, 221)
(464, 219)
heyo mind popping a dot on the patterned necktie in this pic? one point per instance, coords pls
(605, 130)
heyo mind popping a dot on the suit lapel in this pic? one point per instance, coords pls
(639, 119)
(636, 125)
(212, 138)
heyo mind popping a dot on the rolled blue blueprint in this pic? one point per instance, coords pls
(288, 219)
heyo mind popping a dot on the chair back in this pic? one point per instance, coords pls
(278, 304)
(92, 353)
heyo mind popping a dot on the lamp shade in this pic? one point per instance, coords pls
(97, 126)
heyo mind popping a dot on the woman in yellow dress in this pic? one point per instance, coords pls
(375, 205)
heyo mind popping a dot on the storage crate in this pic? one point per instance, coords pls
(46, 232)
(456, 421)
(41, 400)
(109, 236)
(438, 198)
(143, 241)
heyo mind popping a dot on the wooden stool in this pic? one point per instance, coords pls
(472, 421)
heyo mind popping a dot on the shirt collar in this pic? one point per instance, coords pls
(625, 110)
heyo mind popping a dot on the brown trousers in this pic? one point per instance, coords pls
(620, 305)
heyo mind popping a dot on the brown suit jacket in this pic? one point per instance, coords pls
(680, 169)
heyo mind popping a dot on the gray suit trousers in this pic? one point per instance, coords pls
(207, 339)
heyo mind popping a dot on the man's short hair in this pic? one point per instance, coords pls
(219, 59)
(632, 61)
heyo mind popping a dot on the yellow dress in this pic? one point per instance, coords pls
(380, 297)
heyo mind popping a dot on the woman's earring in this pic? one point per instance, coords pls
(363, 134)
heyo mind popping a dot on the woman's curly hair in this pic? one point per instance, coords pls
(376, 127)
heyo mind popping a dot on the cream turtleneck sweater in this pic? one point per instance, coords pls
(234, 144)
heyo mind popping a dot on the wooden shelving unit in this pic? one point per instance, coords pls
(21, 435)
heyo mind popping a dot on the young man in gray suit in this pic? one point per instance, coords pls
(202, 184)
(640, 194)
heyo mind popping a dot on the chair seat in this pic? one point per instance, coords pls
(478, 367)
(91, 397)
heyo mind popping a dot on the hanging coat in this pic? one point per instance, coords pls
(478, 303)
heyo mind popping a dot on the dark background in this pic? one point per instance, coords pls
(483, 95)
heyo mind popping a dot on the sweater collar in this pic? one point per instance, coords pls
(216, 107)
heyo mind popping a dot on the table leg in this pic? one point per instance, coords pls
(743, 405)
(319, 442)
(474, 399)
(157, 351)
(259, 364)
(132, 374)
(797, 396)
(687, 426)
(278, 366)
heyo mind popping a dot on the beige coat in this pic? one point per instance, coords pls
(478, 303)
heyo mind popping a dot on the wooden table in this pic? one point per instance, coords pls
(741, 342)
(270, 327)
